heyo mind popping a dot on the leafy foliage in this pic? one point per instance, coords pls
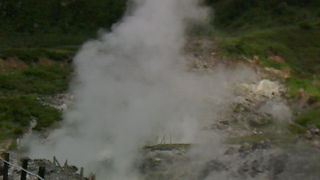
(66, 16)
(38, 79)
(311, 117)
(286, 28)
(31, 55)
(243, 14)
(16, 112)
(19, 94)
(52, 30)
(289, 29)
(52, 23)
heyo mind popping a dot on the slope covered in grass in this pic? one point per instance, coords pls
(56, 22)
(16, 112)
(53, 28)
(37, 41)
(20, 94)
(286, 29)
(269, 28)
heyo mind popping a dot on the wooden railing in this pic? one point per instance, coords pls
(24, 168)
(6, 165)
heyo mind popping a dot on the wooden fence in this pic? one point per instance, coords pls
(24, 169)
(6, 165)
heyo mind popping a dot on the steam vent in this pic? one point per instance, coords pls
(159, 90)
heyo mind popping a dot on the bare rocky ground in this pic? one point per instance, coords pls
(256, 141)
(238, 162)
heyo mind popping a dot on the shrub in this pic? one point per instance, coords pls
(309, 118)
(40, 79)
(18, 111)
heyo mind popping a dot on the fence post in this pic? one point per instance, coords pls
(24, 166)
(56, 162)
(81, 173)
(42, 171)
(6, 166)
(92, 176)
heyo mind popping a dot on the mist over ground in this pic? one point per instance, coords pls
(132, 88)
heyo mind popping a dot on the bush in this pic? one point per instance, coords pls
(18, 111)
(32, 55)
(305, 26)
(296, 84)
(238, 14)
(309, 118)
(50, 23)
(63, 16)
(38, 79)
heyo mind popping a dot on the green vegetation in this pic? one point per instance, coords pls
(167, 147)
(35, 16)
(286, 29)
(32, 30)
(20, 91)
(309, 85)
(295, 128)
(268, 28)
(235, 15)
(264, 130)
(34, 23)
(37, 79)
(16, 112)
(37, 41)
(309, 118)
(275, 139)
(246, 139)
(53, 28)
(31, 55)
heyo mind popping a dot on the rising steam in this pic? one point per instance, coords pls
(131, 87)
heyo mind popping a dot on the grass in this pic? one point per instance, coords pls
(17, 111)
(278, 139)
(239, 15)
(167, 147)
(246, 139)
(267, 28)
(30, 48)
(19, 93)
(12, 39)
(264, 28)
(27, 24)
(32, 55)
(37, 41)
(28, 32)
(310, 86)
(300, 49)
(37, 79)
(277, 133)
(295, 128)
(309, 118)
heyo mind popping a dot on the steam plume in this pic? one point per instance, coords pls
(131, 87)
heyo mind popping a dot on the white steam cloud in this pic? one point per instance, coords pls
(132, 87)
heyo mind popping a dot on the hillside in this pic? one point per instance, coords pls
(280, 34)
(38, 40)
(244, 105)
